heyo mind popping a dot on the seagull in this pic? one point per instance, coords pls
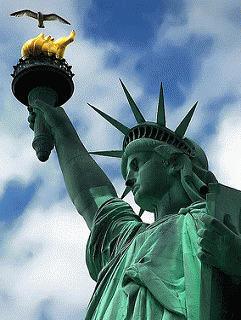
(39, 16)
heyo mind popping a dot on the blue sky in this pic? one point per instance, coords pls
(193, 47)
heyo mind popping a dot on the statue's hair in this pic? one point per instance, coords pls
(194, 174)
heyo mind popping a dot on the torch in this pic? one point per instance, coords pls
(43, 75)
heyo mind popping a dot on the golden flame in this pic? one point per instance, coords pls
(47, 45)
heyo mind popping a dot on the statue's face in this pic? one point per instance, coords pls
(149, 179)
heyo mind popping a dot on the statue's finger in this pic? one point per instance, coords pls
(210, 236)
(42, 106)
(50, 113)
(208, 258)
(214, 224)
(228, 222)
(208, 246)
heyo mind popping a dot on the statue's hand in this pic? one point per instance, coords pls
(220, 245)
(31, 118)
(55, 117)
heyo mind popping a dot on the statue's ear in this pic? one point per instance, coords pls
(176, 165)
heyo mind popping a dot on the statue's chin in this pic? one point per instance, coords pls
(144, 202)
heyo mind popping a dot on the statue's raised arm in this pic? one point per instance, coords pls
(87, 184)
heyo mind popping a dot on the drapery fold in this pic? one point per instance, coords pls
(144, 271)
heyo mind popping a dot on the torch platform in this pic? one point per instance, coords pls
(42, 70)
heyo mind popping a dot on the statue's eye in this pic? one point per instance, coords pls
(134, 165)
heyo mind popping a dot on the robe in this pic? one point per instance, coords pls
(144, 271)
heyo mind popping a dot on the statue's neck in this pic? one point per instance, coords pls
(172, 202)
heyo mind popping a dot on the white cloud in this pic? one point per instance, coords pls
(45, 258)
(224, 149)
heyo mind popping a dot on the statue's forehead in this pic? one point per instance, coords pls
(139, 156)
(137, 146)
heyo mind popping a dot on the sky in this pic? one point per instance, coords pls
(192, 47)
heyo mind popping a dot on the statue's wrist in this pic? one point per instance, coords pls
(63, 130)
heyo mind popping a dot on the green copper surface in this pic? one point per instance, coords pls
(43, 141)
(126, 191)
(153, 271)
(112, 153)
(161, 119)
(139, 117)
(156, 131)
(114, 122)
(182, 128)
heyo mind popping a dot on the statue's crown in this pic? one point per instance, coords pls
(151, 130)
(144, 129)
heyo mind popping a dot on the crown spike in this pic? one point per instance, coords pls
(182, 128)
(139, 117)
(114, 122)
(161, 109)
(126, 191)
(111, 153)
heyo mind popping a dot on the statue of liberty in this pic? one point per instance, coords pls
(146, 271)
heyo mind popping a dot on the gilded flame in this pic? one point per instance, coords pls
(47, 45)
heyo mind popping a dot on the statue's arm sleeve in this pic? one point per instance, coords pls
(87, 184)
(115, 226)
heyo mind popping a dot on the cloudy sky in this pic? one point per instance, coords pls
(193, 47)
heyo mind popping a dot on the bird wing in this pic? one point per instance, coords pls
(21, 13)
(52, 16)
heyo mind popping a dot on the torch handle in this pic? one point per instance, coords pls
(43, 141)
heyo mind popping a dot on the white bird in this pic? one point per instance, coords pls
(39, 16)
